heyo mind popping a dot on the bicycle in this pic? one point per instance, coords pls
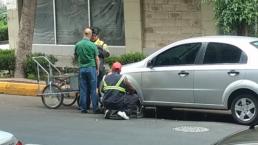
(60, 89)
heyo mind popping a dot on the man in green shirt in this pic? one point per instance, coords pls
(86, 53)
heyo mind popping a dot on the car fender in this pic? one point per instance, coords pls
(136, 84)
(240, 84)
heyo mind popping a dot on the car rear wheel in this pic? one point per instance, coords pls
(244, 109)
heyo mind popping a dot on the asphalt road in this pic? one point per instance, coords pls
(30, 121)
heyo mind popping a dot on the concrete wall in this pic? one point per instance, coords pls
(64, 53)
(208, 20)
(149, 25)
(133, 25)
(165, 21)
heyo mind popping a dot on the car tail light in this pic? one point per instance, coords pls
(19, 143)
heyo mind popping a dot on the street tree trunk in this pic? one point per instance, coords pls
(242, 29)
(25, 35)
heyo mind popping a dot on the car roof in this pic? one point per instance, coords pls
(228, 39)
(225, 38)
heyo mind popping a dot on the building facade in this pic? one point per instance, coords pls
(126, 25)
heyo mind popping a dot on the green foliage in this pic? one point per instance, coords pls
(110, 60)
(3, 24)
(125, 58)
(3, 15)
(30, 67)
(7, 60)
(131, 57)
(235, 14)
(3, 31)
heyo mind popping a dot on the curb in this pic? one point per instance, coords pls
(20, 88)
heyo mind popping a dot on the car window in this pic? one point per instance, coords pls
(178, 55)
(255, 43)
(223, 53)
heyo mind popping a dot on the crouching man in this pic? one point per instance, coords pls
(119, 95)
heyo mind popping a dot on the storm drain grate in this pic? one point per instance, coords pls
(191, 129)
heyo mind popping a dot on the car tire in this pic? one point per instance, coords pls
(244, 109)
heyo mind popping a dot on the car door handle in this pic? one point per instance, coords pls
(183, 73)
(233, 73)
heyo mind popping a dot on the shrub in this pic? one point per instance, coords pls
(3, 14)
(110, 60)
(125, 58)
(131, 57)
(3, 31)
(7, 60)
(30, 67)
(3, 24)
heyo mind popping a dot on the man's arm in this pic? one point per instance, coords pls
(101, 86)
(106, 52)
(75, 56)
(129, 87)
(97, 64)
(104, 48)
(97, 59)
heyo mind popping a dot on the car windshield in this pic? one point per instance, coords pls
(255, 43)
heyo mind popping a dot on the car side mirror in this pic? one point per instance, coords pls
(150, 64)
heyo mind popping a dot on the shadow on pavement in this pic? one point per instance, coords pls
(189, 114)
(180, 114)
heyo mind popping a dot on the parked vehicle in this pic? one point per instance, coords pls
(212, 72)
(7, 138)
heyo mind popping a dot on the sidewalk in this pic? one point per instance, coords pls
(4, 45)
(20, 86)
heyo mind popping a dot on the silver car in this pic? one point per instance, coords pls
(213, 72)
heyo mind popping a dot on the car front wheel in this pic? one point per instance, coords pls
(244, 109)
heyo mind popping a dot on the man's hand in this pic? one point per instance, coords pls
(97, 72)
(74, 60)
(97, 65)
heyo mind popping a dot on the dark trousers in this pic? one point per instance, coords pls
(99, 79)
(88, 84)
(126, 103)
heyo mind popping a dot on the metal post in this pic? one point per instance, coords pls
(54, 14)
(50, 71)
(89, 19)
(38, 78)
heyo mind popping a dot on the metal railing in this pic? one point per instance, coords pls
(48, 71)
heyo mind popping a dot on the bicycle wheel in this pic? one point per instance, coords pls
(52, 97)
(69, 98)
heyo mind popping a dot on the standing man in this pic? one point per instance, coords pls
(103, 53)
(86, 53)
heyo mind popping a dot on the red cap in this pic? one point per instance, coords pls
(116, 67)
